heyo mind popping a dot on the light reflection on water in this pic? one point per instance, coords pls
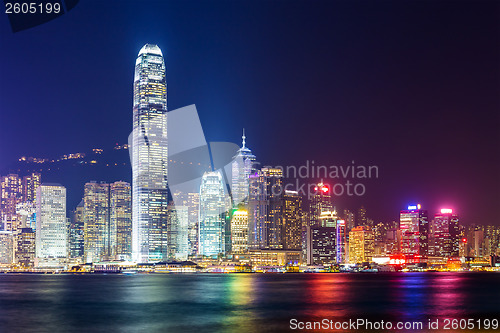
(236, 302)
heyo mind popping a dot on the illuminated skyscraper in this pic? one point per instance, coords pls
(292, 217)
(120, 228)
(361, 218)
(414, 226)
(149, 155)
(51, 224)
(445, 235)
(239, 231)
(321, 201)
(76, 232)
(361, 245)
(265, 209)
(25, 247)
(193, 204)
(96, 221)
(6, 247)
(30, 184)
(177, 232)
(242, 167)
(11, 194)
(340, 244)
(213, 207)
(321, 240)
(107, 221)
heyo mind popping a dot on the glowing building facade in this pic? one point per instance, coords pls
(239, 231)
(445, 234)
(414, 226)
(213, 207)
(361, 245)
(265, 209)
(321, 201)
(51, 224)
(242, 167)
(149, 155)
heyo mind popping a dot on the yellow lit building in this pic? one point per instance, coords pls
(361, 245)
(239, 231)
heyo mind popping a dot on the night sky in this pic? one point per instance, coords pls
(411, 87)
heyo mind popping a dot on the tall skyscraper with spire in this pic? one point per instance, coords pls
(149, 155)
(243, 165)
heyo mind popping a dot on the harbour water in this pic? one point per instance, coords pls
(240, 302)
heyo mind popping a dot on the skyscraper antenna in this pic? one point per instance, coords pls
(243, 137)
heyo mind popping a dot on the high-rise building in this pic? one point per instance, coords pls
(361, 219)
(96, 216)
(6, 247)
(51, 224)
(361, 245)
(25, 247)
(120, 228)
(193, 204)
(341, 243)
(76, 232)
(149, 155)
(239, 231)
(11, 194)
(243, 165)
(414, 226)
(30, 184)
(444, 236)
(177, 232)
(107, 221)
(321, 201)
(349, 219)
(320, 242)
(213, 206)
(265, 209)
(292, 217)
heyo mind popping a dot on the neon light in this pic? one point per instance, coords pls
(324, 189)
(418, 206)
(446, 211)
(464, 240)
(412, 207)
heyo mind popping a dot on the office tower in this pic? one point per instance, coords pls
(321, 245)
(239, 231)
(11, 194)
(265, 209)
(96, 214)
(51, 224)
(242, 167)
(193, 204)
(349, 219)
(76, 232)
(320, 202)
(25, 247)
(292, 216)
(362, 220)
(340, 244)
(445, 234)
(6, 247)
(361, 245)
(414, 228)
(149, 155)
(213, 205)
(30, 184)
(177, 232)
(107, 221)
(120, 229)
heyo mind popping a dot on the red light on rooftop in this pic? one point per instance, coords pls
(464, 240)
(324, 189)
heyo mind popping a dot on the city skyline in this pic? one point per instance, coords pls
(460, 118)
